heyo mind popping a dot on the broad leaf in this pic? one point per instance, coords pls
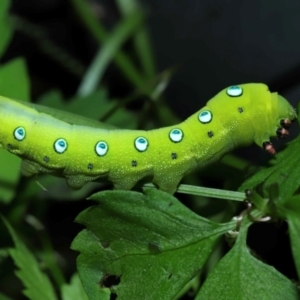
(291, 210)
(149, 244)
(241, 276)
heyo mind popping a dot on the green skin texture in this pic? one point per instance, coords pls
(164, 162)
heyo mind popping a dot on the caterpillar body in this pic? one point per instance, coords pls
(237, 116)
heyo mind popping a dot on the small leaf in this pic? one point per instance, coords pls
(291, 209)
(37, 283)
(74, 290)
(146, 244)
(4, 297)
(9, 86)
(5, 28)
(241, 276)
(284, 170)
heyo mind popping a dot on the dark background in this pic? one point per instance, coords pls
(215, 43)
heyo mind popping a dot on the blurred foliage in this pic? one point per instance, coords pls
(136, 245)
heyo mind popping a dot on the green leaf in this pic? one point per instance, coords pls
(37, 284)
(150, 242)
(84, 106)
(4, 297)
(5, 27)
(284, 170)
(14, 81)
(291, 209)
(74, 290)
(9, 175)
(10, 87)
(94, 106)
(53, 99)
(241, 276)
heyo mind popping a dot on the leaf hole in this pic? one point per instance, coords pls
(113, 296)
(109, 281)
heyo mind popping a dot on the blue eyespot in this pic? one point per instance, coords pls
(101, 148)
(60, 146)
(176, 135)
(19, 133)
(141, 144)
(205, 116)
(234, 91)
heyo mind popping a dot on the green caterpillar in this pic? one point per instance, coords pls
(237, 116)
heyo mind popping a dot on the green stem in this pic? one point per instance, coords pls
(207, 192)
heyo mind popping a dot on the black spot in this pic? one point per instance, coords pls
(154, 247)
(174, 155)
(170, 276)
(90, 166)
(240, 109)
(9, 146)
(105, 244)
(210, 134)
(134, 163)
(46, 159)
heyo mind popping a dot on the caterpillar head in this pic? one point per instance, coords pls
(255, 115)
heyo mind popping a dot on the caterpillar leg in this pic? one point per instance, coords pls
(171, 188)
(77, 181)
(168, 184)
(29, 168)
(123, 180)
(126, 183)
(169, 181)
